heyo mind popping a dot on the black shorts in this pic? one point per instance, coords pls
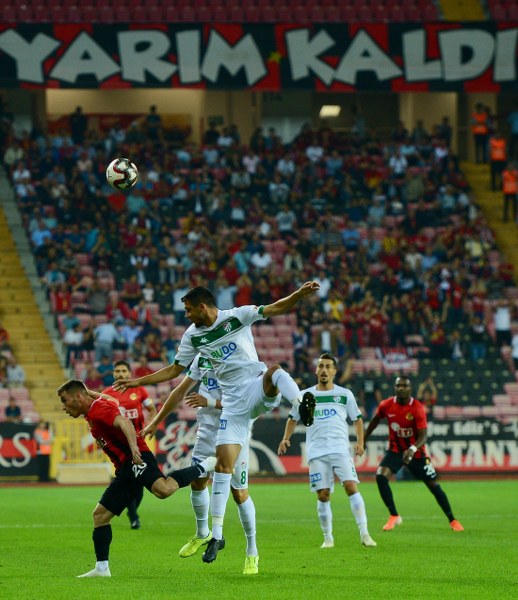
(128, 482)
(421, 468)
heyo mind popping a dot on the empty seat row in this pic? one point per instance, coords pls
(221, 13)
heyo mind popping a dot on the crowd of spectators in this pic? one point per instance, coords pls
(387, 226)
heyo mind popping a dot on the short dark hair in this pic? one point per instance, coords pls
(122, 363)
(327, 356)
(402, 376)
(72, 385)
(200, 295)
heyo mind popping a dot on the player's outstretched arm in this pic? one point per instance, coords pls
(195, 400)
(284, 305)
(374, 422)
(165, 374)
(128, 430)
(173, 400)
(93, 394)
(288, 432)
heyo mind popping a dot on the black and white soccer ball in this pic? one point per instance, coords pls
(122, 174)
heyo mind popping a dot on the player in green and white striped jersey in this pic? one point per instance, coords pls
(328, 448)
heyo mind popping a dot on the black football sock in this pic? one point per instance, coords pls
(134, 504)
(132, 511)
(183, 477)
(442, 500)
(386, 494)
(102, 537)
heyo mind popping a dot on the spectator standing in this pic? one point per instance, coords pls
(78, 123)
(502, 321)
(514, 351)
(479, 339)
(105, 337)
(427, 393)
(498, 159)
(73, 340)
(4, 339)
(44, 438)
(480, 130)
(510, 190)
(370, 394)
(512, 120)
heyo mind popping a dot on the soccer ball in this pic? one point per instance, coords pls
(122, 174)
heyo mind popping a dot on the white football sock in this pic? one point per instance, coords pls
(200, 501)
(218, 502)
(325, 516)
(101, 565)
(358, 510)
(247, 517)
(286, 386)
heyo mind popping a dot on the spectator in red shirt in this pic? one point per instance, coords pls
(4, 339)
(62, 299)
(406, 419)
(143, 369)
(135, 465)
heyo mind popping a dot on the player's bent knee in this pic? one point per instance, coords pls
(163, 488)
(350, 487)
(101, 516)
(324, 495)
(240, 495)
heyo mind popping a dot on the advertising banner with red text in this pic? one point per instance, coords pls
(18, 458)
(483, 445)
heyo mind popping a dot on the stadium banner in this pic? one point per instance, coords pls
(482, 445)
(339, 57)
(18, 452)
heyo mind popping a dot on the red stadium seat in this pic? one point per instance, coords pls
(25, 14)
(236, 14)
(89, 14)
(57, 14)
(155, 14)
(106, 14)
(282, 14)
(185, 14)
(252, 14)
(348, 13)
(8, 13)
(220, 14)
(204, 14)
(74, 14)
(139, 14)
(332, 14)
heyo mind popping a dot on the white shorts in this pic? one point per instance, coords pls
(247, 403)
(322, 471)
(205, 446)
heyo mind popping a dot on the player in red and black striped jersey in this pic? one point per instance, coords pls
(133, 402)
(135, 465)
(406, 419)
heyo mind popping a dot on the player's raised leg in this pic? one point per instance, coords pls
(276, 380)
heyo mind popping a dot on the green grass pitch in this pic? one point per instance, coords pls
(45, 535)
